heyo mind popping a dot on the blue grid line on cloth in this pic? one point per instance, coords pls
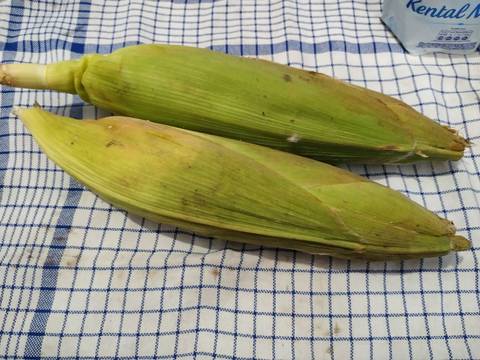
(49, 280)
(252, 312)
(421, 279)
(467, 345)
(40, 311)
(83, 331)
(183, 252)
(50, 274)
(6, 103)
(287, 338)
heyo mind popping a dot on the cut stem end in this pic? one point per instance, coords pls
(32, 76)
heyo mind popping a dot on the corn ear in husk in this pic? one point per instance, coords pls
(238, 191)
(256, 101)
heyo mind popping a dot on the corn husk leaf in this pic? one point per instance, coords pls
(252, 100)
(238, 191)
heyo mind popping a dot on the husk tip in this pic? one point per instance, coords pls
(459, 243)
(25, 113)
(16, 110)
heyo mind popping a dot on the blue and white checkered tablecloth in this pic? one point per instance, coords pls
(80, 279)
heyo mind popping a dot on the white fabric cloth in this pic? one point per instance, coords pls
(80, 279)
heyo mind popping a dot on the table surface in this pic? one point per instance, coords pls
(81, 279)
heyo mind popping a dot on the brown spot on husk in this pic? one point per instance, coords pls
(112, 143)
(389, 147)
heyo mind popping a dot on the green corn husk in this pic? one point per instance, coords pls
(256, 101)
(238, 191)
